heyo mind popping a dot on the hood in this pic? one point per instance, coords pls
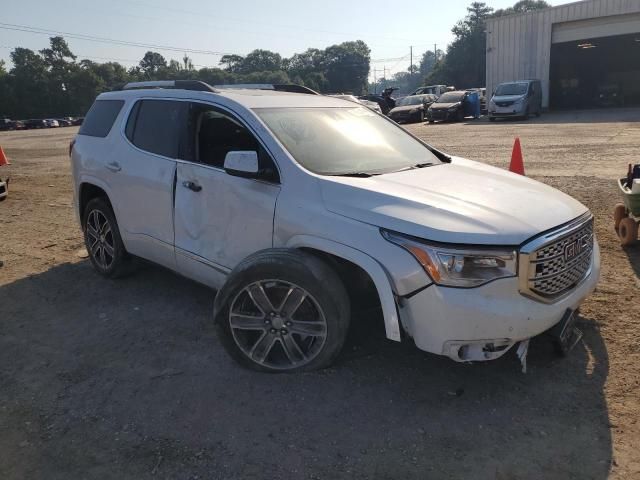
(406, 108)
(462, 202)
(507, 98)
(444, 106)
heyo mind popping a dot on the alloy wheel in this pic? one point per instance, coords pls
(100, 241)
(277, 324)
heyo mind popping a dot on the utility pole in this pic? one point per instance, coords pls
(435, 51)
(411, 63)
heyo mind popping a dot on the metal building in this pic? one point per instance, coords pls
(586, 54)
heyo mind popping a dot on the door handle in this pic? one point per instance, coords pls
(191, 186)
(113, 166)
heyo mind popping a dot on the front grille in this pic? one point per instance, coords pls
(505, 104)
(558, 266)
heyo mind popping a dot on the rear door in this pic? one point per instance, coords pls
(144, 174)
(220, 219)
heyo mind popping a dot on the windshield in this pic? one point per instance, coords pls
(512, 89)
(412, 100)
(342, 141)
(451, 97)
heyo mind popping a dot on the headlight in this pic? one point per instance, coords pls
(492, 103)
(458, 267)
(413, 110)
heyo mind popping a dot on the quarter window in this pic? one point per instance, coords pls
(100, 118)
(154, 126)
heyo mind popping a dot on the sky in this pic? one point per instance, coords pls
(213, 28)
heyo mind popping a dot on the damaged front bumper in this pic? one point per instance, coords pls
(479, 324)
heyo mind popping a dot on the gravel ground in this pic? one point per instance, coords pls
(126, 379)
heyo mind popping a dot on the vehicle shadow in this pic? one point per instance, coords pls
(127, 379)
(633, 254)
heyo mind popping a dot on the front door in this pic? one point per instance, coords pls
(220, 219)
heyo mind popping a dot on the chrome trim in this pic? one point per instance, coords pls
(528, 251)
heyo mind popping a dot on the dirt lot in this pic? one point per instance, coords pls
(126, 379)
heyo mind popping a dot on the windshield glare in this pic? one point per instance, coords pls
(512, 89)
(450, 98)
(340, 141)
(412, 100)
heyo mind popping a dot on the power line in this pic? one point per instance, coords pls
(91, 38)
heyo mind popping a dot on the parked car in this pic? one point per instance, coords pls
(65, 122)
(436, 90)
(288, 204)
(78, 121)
(352, 98)
(384, 100)
(52, 123)
(516, 99)
(7, 124)
(449, 107)
(19, 125)
(35, 123)
(412, 108)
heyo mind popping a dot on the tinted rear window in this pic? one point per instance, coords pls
(100, 118)
(154, 126)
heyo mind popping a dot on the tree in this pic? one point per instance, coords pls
(261, 61)
(232, 63)
(521, 7)
(152, 63)
(465, 62)
(347, 66)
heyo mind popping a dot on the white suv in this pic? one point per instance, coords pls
(288, 204)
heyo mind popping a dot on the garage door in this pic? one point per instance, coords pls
(594, 70)
(596, 28)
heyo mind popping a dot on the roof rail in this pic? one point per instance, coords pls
(279, 87)
(172, 84)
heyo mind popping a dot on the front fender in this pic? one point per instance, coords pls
(368, 264)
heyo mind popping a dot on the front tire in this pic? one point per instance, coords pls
(283, 311)
(102, 239)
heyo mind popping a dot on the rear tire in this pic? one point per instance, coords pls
(619, 213)
(283, 311)
(102, 240)
(628, 232)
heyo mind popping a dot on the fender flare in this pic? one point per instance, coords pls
(368, 264)
(91, 180)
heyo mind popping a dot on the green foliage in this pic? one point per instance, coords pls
(521, 7)
(53, 83)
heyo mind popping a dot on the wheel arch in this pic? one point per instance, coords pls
(88, 189)
(371, 267)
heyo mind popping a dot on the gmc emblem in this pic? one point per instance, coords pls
(574, 249)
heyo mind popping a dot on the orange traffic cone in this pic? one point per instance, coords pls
(3, 158)
(517, 164)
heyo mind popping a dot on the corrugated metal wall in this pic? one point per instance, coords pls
(519, 46)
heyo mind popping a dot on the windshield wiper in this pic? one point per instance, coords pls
(354, 174)
(422, 165)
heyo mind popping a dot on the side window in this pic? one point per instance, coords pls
(155, 126)
(212, 133)
(100, 118)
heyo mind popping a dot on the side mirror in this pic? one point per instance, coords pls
(242, 164)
